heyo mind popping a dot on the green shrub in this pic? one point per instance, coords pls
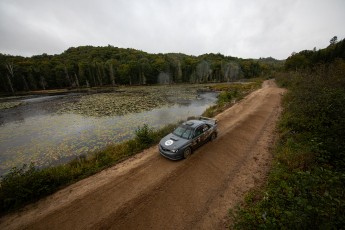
(211, 111)
(144, 135)
(227, 96)
(27, 184)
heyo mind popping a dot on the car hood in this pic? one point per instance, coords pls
(172, 141)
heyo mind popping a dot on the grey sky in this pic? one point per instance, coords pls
(240, 28)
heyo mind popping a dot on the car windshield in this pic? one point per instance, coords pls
(183, 131)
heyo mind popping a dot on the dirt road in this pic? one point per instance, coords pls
(151, 192)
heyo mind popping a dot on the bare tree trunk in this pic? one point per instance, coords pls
(144, 79)
(26, 87)
(111, 73)
(140, 77)
(9, 67)
(91, 77)
(43, 82)
(76, 79)
(104, 77)
(67, 77)
(179, 72)
(99, 75)
(94, 80)
(10, 83)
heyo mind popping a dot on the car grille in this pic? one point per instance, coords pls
(165, 149)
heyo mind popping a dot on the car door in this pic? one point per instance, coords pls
(199, 136)
(205, 133)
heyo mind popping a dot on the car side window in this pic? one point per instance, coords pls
(187, 134)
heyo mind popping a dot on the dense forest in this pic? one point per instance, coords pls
(88, 66)
(310, 58)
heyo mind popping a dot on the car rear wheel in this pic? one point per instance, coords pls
(187, 152)
(213, 136)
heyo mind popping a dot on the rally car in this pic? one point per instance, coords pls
(187, 137)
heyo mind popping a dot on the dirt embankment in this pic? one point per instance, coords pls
(151, 192)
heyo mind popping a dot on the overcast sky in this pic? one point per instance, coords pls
(240, 28)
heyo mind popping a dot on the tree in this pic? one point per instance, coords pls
(112, 63)
(96, 66)
(100, 72)
(61, 76)
(333, 40)
(68, 78)
(10, 75)
(225, 69)
(124, 73)
(202, 71)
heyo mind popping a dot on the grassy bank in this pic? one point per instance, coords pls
(305, 189)
(28, 184)
(230, 94)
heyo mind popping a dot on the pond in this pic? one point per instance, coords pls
(39, 131)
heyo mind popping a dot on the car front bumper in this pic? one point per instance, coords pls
(170, 155)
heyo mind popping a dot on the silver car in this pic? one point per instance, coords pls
(187, 137)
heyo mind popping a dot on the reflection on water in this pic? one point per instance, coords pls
(40, 99)
(47, 138)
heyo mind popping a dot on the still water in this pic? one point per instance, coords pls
(49, 138)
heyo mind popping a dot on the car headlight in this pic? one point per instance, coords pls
(174, 150)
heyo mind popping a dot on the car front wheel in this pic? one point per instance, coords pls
(187, 152)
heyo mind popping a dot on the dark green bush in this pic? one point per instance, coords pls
(28, 184)
(144, 135)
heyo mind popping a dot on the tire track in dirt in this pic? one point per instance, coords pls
(150, 192)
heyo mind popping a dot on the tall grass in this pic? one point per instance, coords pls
(306, 185)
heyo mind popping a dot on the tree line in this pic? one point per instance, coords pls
(88, 66)
(309, 58)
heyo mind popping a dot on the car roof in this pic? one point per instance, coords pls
(193, 123)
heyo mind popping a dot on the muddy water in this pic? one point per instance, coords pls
(35, 133)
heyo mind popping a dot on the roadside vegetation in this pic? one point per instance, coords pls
(306, 185)
(230, 94)
(29, 183)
